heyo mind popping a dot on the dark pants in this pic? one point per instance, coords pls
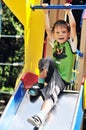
(53, 78)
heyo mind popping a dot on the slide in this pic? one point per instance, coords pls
(67, 115)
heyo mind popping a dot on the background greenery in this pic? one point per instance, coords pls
(11, 49)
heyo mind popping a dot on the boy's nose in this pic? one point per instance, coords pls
(60, 34)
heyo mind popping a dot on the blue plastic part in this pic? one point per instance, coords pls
(58, 7)
(80, 112)
(12, 107)
(79, 53)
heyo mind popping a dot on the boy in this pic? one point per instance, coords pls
(55, 72)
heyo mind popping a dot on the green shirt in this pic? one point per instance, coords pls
(64, 59)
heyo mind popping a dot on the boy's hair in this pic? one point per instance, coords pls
(61, 23)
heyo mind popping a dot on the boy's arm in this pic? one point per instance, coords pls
(73, 34)
(47, 23)
(47, 26)
(72, 22)
(72, 25)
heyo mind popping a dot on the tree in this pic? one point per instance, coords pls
(11, 49)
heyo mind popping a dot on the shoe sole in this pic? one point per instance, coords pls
(33, 123)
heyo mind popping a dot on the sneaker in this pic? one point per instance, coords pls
(35, 128)
(39, 85)
(35, 89)
(35, 121)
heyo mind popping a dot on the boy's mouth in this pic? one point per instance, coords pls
(61, 38)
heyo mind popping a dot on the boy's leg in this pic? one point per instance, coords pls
(34, 91)
(38, 119)
(48, 104)
(54, 88)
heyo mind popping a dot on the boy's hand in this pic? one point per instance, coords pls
(67, 10)
(45, 5)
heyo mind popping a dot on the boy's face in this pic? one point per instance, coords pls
(61, 34)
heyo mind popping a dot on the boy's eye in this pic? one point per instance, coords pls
(57, 32)
(64, 32)
(61, 32)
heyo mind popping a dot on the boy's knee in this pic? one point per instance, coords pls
(53, 100)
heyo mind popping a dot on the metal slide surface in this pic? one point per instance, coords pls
(19, 109)
(60, 119)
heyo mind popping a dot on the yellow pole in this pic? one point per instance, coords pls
(34, 37)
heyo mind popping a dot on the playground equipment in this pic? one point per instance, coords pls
(59, 7)
(19, 107)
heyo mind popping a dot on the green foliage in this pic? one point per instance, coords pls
(11, 49)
